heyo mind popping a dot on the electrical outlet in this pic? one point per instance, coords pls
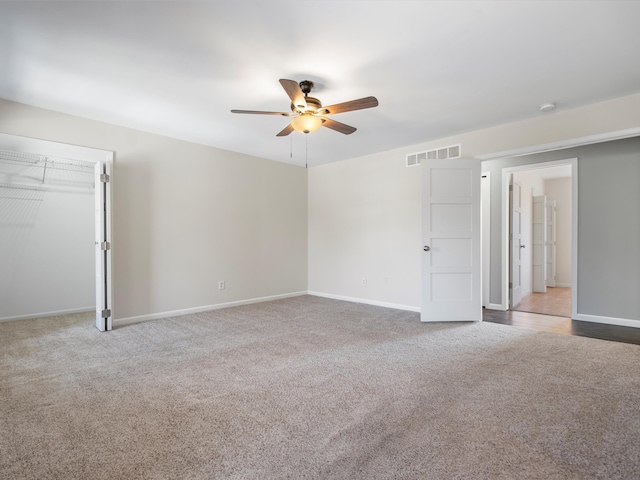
(221, 285)
(364, 281)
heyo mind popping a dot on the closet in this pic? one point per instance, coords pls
(47, 223)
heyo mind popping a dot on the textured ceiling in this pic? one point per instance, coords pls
(437, 68)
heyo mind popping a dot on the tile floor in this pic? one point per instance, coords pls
(557, 301)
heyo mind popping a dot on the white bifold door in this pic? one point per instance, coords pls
(451, 266)
(102, 175)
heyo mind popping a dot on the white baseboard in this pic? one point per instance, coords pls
(119, 322)
(622, 322)
(524, 294)
(566, 285)
(495, 306)
(397, 306)
(48, 314)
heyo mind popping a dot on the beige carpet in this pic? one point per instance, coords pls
(317, 389)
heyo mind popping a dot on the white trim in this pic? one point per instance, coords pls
(506, 173)
(396, 306)
(119, 322)
(108, 162)
(48, 314)
(562, 144)
(566, 285)
(622, 322)
(486, 248)
(495, 306)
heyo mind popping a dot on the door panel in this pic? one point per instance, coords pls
(102, 247)
(516, 244)
(451, 266)
(538, 237)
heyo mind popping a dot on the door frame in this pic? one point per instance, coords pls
(506, 207)
(85, 154)
(485, 235)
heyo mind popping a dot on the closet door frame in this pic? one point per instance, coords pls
(105, 159)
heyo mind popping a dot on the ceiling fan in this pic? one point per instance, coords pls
(309, 114)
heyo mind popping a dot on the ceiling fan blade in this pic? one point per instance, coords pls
(259, 112)
(294, 91)
(359, 104)
(337, 126)
(285, 131)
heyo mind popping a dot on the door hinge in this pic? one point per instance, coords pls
(106, 313)
(104, 178)
(510, 285)
(105, 246)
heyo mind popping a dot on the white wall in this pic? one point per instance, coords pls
(46, 241)
(364, 222)
(559, 189)
(186, 216)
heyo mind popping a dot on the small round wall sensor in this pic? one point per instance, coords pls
(547, 107)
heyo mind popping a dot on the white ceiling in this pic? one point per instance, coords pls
(437, 68)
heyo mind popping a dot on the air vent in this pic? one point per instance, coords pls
(416, 159)
(444, 153)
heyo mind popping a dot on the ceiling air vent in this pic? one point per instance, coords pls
(444, 153)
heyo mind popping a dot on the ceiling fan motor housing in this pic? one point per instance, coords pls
(313, 105)
(306, 86)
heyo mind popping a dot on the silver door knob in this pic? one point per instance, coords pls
(426, 248)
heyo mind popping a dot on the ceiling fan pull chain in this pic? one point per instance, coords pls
(306, 151)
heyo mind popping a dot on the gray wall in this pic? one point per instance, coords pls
(608, 225)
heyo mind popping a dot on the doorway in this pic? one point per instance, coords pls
(40, 155)
(545, 267)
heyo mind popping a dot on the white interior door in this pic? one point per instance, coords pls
(515, 260)
(102, 247)
(550, 243)
(538, 238)
(451, 266)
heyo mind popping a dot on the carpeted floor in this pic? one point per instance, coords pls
(313, 388)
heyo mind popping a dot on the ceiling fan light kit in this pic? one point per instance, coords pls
(306, 123)
(307, 112)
